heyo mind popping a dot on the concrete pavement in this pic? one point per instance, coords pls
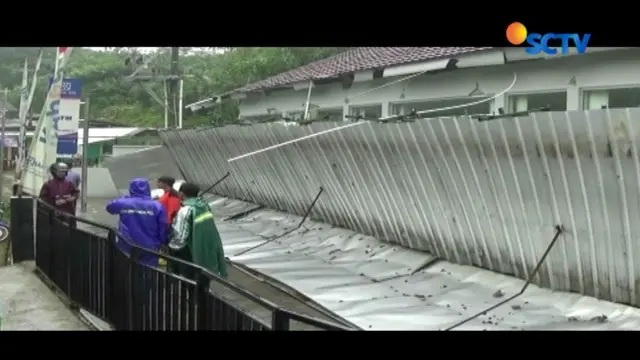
(28, 304)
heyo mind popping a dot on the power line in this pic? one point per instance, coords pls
(172, 82)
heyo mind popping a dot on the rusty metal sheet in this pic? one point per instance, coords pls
(487, 194)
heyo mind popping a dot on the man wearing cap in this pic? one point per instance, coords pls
(60, 192)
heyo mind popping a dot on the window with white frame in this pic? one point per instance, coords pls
(556, 101)
(477, 109)
(368, 112)
(612, 98)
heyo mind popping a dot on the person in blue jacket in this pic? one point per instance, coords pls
(143, 221)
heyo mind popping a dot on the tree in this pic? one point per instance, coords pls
(207, 72)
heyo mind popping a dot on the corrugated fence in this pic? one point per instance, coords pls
(482, 193)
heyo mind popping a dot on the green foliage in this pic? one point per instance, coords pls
(207, 72)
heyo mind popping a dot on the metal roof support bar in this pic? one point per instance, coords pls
(559, 230)
(304, 218)
(215, 184)
(243, 213)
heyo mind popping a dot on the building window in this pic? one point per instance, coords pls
(612, 98)
(328, 114)
(406, 108)
(624, 98)
(293, 115)
(556, 101)
(371, 112)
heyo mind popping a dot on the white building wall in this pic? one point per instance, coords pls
(574, 74)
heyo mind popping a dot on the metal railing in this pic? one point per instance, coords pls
(120, 289)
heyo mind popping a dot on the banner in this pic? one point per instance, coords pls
(68, 119)
(43, 149)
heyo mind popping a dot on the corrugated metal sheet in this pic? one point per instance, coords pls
(485, 194)
(151, 164)
(378, 286)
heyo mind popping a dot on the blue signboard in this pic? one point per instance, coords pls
(67, 144)
(71, 88)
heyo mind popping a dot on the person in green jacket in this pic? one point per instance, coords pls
(195, 235)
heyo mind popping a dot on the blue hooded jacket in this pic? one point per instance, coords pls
(143, 221)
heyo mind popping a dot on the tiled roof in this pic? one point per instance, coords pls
(357, 59)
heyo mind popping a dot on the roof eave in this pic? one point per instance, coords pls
(411, 68)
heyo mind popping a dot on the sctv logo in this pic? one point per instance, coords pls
(517, 34)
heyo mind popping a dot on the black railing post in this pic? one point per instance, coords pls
(131, 299)
(66, 245)
(110, 288)
(279, 320)
(21, 224)
(202, 292)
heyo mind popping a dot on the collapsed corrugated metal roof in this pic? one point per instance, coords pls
(381, 286)
(373, 284)
(487, 194)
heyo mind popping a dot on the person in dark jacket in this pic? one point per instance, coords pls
(143, 221)
(59, 192)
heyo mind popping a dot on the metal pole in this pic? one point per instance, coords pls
(172, 91)
(57, 64)
(4, 122)
(306, 106)
(85, 157)
(180, 104)
(166, 106)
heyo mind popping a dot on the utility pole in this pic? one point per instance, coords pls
(85, 158)
(172, 84)
(2, 133)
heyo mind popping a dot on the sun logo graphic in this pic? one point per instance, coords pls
(517, 34)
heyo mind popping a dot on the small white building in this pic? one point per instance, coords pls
(374, 82)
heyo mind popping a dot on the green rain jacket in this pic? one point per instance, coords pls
(202, 237)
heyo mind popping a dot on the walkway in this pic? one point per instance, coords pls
(28, 304)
